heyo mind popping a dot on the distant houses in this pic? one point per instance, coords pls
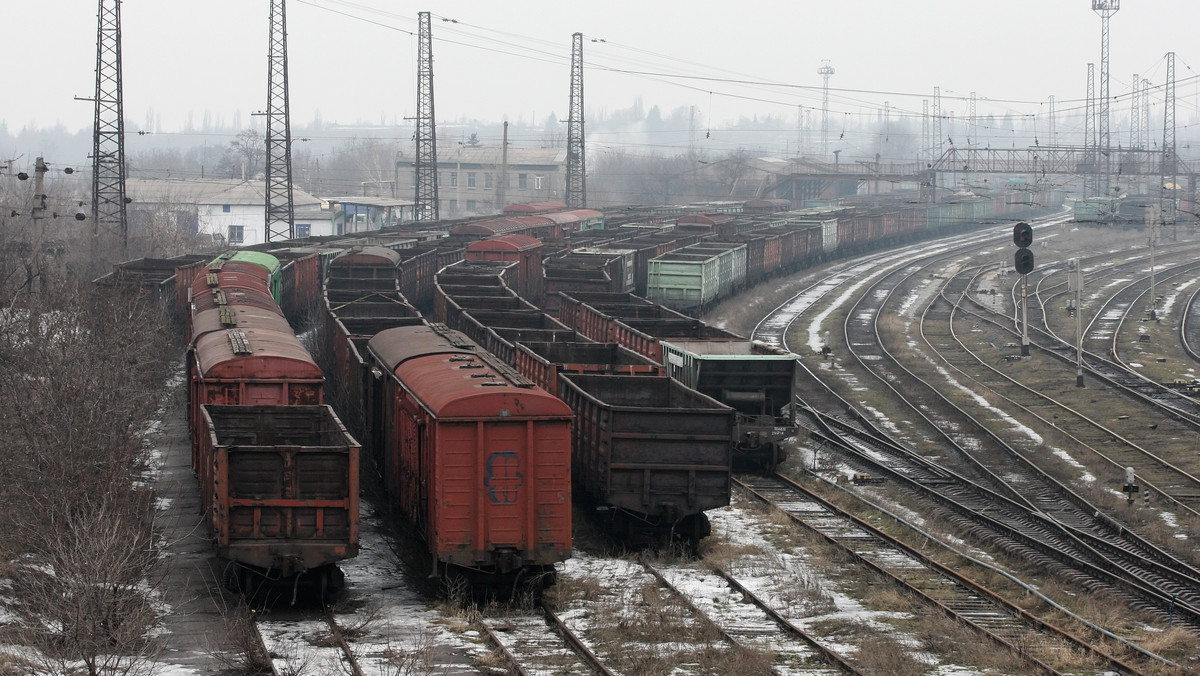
(232, 212)
(482, 180)
(472, 181)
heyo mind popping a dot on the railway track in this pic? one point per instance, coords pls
(1076, 525)
(300, 641)
(1169, 402)
(381, 625)
(1042, 645)
(541, 643)
(1178, 484)
(1189, 326)
(1041, 515)
(749, 622)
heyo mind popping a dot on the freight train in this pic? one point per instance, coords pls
(278, 472)
(649, 454)
(620, 291)
(475, 458)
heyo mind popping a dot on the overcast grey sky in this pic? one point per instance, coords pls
(354, 62)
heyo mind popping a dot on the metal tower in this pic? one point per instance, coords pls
(1105, 8)
(937, 123)
(576, 166)
(825, 71)
(108, 135)
(281, 216)
(1146, 113)
(1135, 114)
(1169, 161)
(925, 142)
(426, 167)
(1053, 124)
(1089, 134)
(972, 124)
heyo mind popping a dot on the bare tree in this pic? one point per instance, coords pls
(366, 165)
(82, 371)
(245, 155)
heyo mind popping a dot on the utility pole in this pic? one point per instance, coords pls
(799, 131)
(108, 130)
(576, 164)
(38, 211)
(426, 166)
(281, 215)
(825, 71)
(502, 184)
(1105, 8)
(1075, 283)
(1153, 291)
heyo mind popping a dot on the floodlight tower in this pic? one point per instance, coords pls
(108, 129)
(1105, 8)
(576, 175)
(281, 215)
(426, 137)
(825, 71)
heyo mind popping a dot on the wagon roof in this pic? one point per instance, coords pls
(513, 242)
(229, 280)
(275, 354)
(470, 388)
(266, 260)
(395, 346)
(244, 316)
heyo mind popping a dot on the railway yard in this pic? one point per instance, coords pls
(932, 500)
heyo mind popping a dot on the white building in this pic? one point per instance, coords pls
(231, 211)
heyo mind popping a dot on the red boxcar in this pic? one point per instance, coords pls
(476, 457)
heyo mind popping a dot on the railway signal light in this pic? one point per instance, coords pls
(1023, 235)
(1023, 261)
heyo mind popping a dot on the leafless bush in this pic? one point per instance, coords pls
(82, 374)
(419, 658)
(242, 652)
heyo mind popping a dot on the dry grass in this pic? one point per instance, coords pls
(885, 656)
(572, 588)
(955, 643)
(888, 597)
(1175, 643)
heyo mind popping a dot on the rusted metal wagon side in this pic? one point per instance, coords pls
(279, 486)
